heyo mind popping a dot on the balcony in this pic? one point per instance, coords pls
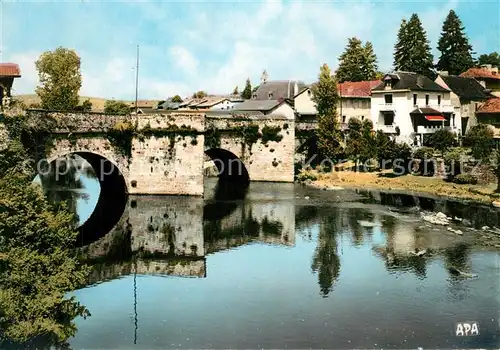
(421, 129)
(386, 107)
(441, 108)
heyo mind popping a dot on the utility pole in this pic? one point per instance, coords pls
(137, 80)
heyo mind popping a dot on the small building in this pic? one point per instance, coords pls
(8, 72)
(408, 106)
(266, 107)
(467, 94)
(489, 113)
(144, 106)
(487, 75)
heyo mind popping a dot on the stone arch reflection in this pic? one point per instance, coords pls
(229, 166)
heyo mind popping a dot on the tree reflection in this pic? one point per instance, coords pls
(326, 262)
(62, 183)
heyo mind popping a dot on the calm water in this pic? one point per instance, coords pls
(280, 266)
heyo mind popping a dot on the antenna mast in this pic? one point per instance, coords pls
(137, 80)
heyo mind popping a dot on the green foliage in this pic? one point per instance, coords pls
(271, 133)
(465, 179)
(212, 138)
(121, 136)
(456, 52)
(200, 94)
(492, 58)
(176, 99)
(306, 175)
(424, 153)
(442, 140)
(357, 62)
(324, 94)
(60, 79)
(453, 160)
(247, 91)
(87, 105)
(360, 140)
(480, 139)
(412, 52)
(116, 107)
(250, 134)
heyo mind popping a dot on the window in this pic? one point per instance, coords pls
(426, 100)
(439, 100)
(270, 95)
(389, 119)
(254, 96)
(343, 119)
(362, 117)
(388, 99)
(414, 99)
(475, 107)
(309, 92)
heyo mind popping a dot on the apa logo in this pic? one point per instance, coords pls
(466, 329)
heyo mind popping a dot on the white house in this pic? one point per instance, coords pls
(266, 107)
(408, 106)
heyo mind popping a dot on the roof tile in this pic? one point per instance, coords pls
(357, 89)
(480, 73)
(490, 106)
(10, 70)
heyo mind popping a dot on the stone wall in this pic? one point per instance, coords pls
(273, 161)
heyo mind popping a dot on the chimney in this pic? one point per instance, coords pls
(494, 70)
(263, 78)
(487, 67)
(420, 80)
(444, 73)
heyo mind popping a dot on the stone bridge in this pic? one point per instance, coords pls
(164, 153)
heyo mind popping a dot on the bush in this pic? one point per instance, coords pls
(402, 154)
(480, 139)
(442, 140)
(305, 175)
(465, 179)
(425, 154)
(116, 107)
(453, 160)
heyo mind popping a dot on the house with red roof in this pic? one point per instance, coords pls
(487, 75)
(8, 72)
(489, 113)
(354, 101)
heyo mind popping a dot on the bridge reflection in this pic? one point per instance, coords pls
(173, 235)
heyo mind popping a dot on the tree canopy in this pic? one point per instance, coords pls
(116, 107)
(456, 52)
(412, 52)
(325, 96)
(60, 79)
(247, 91)
(492, 58)
(200, 94)
(357, 62)
(176, 99)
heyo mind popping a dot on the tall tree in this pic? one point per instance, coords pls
(116, 107)
(247, 92)
(456, 52)
(60, 79)
(357, 62)
(492, 58)
(412, 52)
(200, 94)
(325, 97)
(235, 91)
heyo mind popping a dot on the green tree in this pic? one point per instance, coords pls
(200, 94)
(60, 79)
(325, 96)
(412, 52)
(442, 140)
(480, 140)
(116, 107)
(492, 58)
(456, 52)
(176, 99)
(247, 91)
(87, 105)
(357, 63)
(235, 91)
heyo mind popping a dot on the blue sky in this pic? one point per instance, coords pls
(214, 46)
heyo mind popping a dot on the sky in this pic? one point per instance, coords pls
(214, 46)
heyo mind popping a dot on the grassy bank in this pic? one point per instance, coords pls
(408, 183)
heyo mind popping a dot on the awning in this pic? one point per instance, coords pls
(434, 118)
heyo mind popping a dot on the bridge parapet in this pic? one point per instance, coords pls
(172, 121)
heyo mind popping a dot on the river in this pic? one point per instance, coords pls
(282, 266)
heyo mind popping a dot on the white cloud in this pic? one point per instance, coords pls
(184, 59)
(29, 75)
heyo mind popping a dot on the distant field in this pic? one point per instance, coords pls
(97, 102)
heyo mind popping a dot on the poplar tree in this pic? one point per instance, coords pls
(325, 96)
(456, 52)
(247, 92)
(412, 52)
(357, 62)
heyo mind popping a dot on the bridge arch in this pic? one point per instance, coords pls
(230, 167)
(112, 199)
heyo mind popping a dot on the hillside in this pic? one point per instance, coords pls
(97, 102)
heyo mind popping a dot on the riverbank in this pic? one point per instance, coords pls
(408, 183)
